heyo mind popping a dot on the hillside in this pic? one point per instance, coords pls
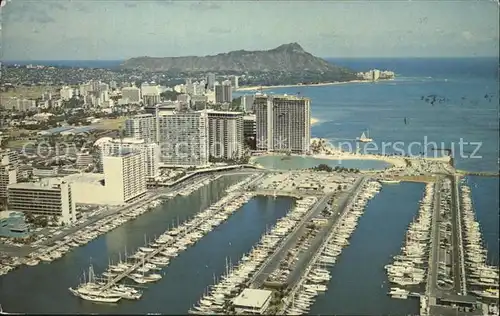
(287, 58)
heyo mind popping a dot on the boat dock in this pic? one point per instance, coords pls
(442, 299)
(295, 193)
(306, 263)
(187, 230)
(273, 260)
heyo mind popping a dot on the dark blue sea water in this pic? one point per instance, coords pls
(466, 121)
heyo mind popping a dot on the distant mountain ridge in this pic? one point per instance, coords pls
(284, 58)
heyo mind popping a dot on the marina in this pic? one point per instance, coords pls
(157, 254)
(47, 254)
(409, 268)
(316, 275)
(482, 275)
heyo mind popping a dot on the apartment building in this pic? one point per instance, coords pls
(141, 126)
(225, 134)
(223, 92)
(9, 170)
(183, 138)
(149, 151)
(131, 95)
(124, 175)
(283, 123)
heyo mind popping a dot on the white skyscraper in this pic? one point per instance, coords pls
(183, 138)
(141, 126)
(149, 151)
(247, 103)
(235, 82)
(150, 94)
(225, 130)
(125, 175)
(283, 123)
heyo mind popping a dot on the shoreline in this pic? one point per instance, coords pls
(314, 121)
(321, 84)
(397, 162)
(393, 161)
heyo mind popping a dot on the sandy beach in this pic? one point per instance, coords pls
(314, 121)
(256, 88)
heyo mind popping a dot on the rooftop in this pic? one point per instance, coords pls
(56, 130)
(211, 111)
(468, 299)
(128, 140)
(252, 298)
(124, 152)
(281, 96)
(45, 184)
(142, 115)
(80, 130)
(94, 178)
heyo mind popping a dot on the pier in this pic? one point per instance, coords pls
(273, 261)
(296, 193)
(297, 277)
(478, 173)
(442, 301)
(342, 206)
(191, 228)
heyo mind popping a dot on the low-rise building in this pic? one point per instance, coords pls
(49, 197)
(252, 301)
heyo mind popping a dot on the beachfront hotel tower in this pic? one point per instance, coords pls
(283, 123)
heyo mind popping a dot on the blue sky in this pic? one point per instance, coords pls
(105, 29)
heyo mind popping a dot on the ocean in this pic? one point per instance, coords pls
(358, 286)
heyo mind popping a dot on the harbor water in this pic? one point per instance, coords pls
(359, 283)
(485, 199)
(45, 286)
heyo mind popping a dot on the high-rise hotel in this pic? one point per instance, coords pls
(141, 126)
(225, 134)
(283, 123)
(183, 138)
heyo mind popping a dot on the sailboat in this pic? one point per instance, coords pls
(364, 138)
